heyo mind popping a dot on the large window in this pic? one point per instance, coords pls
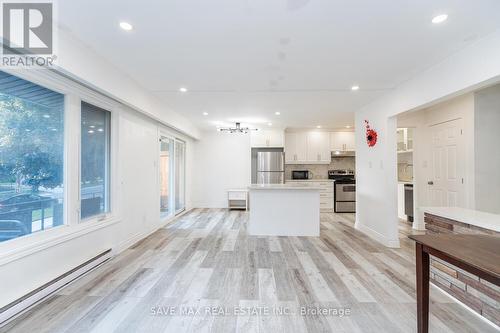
(95, 156)
(31, 157)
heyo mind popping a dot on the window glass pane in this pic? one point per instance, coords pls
(31, 157)
(166, 173)
(94, 161)
(179, 175)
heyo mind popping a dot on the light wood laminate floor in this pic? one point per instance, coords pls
(205, 261)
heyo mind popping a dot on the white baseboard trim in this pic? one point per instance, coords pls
(16, 308)
(393, 243)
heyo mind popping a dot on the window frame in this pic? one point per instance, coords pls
(74, 93)
(184, 145)
(40, 78)
(111, 162)
(164, 133)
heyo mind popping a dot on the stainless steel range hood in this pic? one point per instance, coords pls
(342, 153)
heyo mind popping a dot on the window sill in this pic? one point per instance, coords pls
(21, 247)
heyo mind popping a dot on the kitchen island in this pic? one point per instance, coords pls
(284, 210)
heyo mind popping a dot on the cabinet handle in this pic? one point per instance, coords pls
(294, 157)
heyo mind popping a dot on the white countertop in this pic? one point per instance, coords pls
(293, 186)
(473, 217)
(308, 180)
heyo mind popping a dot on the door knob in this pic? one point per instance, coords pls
(430, 182)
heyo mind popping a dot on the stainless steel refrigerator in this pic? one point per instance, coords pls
(270, 167)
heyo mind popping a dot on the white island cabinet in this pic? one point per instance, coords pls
(284, 210)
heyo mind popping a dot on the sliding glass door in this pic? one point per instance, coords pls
(171, 176)
(166, 176)
(180, 175)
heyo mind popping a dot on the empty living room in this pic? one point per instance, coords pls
(249, 166)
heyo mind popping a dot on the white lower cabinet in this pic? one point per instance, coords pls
(326, 202)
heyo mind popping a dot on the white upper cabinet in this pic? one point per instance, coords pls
(296, 147)
(342, 141)
(315, 147)
(318, 149)
(267, 138)
(307, 148)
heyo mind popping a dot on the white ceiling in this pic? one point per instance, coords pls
(244, 60)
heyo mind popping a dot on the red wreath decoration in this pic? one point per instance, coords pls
(371, 135)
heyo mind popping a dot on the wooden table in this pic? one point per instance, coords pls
(476, 254)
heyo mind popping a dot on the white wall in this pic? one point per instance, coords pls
(487, 153)
(223, 161)
(31, 261)
(474, 66)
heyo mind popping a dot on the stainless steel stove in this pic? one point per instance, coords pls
(344, 190)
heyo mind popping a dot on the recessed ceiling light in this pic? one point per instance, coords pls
(46, 116)
(126, 26)
(277, 113)
(269, 124)
(101, 130)
(439, 19)
(348, 126)
(205, 113)
(183, 89)
(319, 126)
(92, 126)
(355, 88)
(90, 132)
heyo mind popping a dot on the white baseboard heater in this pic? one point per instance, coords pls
(17, 307)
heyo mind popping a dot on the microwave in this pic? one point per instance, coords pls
(300, 174)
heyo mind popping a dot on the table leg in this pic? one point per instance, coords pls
(422, 261)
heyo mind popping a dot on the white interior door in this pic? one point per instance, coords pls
(446, 183)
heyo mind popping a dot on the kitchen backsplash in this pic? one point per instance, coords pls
(320, 171)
